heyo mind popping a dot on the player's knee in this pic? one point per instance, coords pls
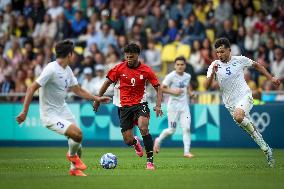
(172, 131)
(128, 141)
(186, 130)
(143, 121)
(239, 118)
(78, 136)
(144, 131)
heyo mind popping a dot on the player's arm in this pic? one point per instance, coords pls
(102, 91)
(166, 89)
(86, 95)
(275, 81)
(28, 98)
(104, 87)
(211, 76)
(190, 92)
(157, 108)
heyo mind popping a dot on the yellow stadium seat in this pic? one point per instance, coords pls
(10, 54)
(183, 50)
(257, 4)
(210, 34)
(79, 50)
(201, 80)
(168, 53)
(216, 3)
(235, 22)
(261, 80)
(204, 99)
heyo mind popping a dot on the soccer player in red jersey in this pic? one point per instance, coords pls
(130, 78)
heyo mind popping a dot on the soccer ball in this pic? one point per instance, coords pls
(108, 161)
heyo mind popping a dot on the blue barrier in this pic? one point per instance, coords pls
(211, 126)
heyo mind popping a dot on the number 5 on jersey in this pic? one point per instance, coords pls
(228, 71)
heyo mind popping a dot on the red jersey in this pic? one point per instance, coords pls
(130, 88)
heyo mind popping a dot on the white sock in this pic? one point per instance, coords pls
(248, 126)
(73, 146)
(79, 152)
(186, 140)
(165, 133)
(72, 166)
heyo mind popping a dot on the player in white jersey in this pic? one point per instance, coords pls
(53, 84)
(177, 84)
(236, 94)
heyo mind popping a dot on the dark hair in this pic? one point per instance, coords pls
(63, 48)
(180, 58)
(132, 48)
(222, 41)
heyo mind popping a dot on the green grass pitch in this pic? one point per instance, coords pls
(35, 168)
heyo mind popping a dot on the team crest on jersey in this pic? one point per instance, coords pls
(141, 76)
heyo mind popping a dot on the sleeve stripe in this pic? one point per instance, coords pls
(110, 79)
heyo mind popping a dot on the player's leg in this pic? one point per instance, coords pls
(249, 127)
(242, 118)
(126, 123)
(131, 140)
(172, 123)
(142, 115)
(143, 124)
(74, 135)
(185, 121)
(67, 114)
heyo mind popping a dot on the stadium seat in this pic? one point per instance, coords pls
(235, 22)
(201, 80)
(204, 99)
(168, 53)
(216, 3)
(257, 4)
(79, 50)
(261, 80)
(183, 50)
(210, 34)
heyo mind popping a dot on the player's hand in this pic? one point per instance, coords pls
(192, 95)
(96, 106)
(276, 82)
(103, 99)
(21, 117)
(158, 111)
(177, 92)
(215, 68)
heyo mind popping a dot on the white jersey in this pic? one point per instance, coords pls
(175, 81)
(230, 77)
(54, 81)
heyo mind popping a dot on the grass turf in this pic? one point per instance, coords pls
(211, 168)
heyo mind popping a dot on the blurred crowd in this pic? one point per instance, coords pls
(29, 30)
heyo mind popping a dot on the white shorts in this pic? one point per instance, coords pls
(246, 104)
(183, 116)
(59, 122)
